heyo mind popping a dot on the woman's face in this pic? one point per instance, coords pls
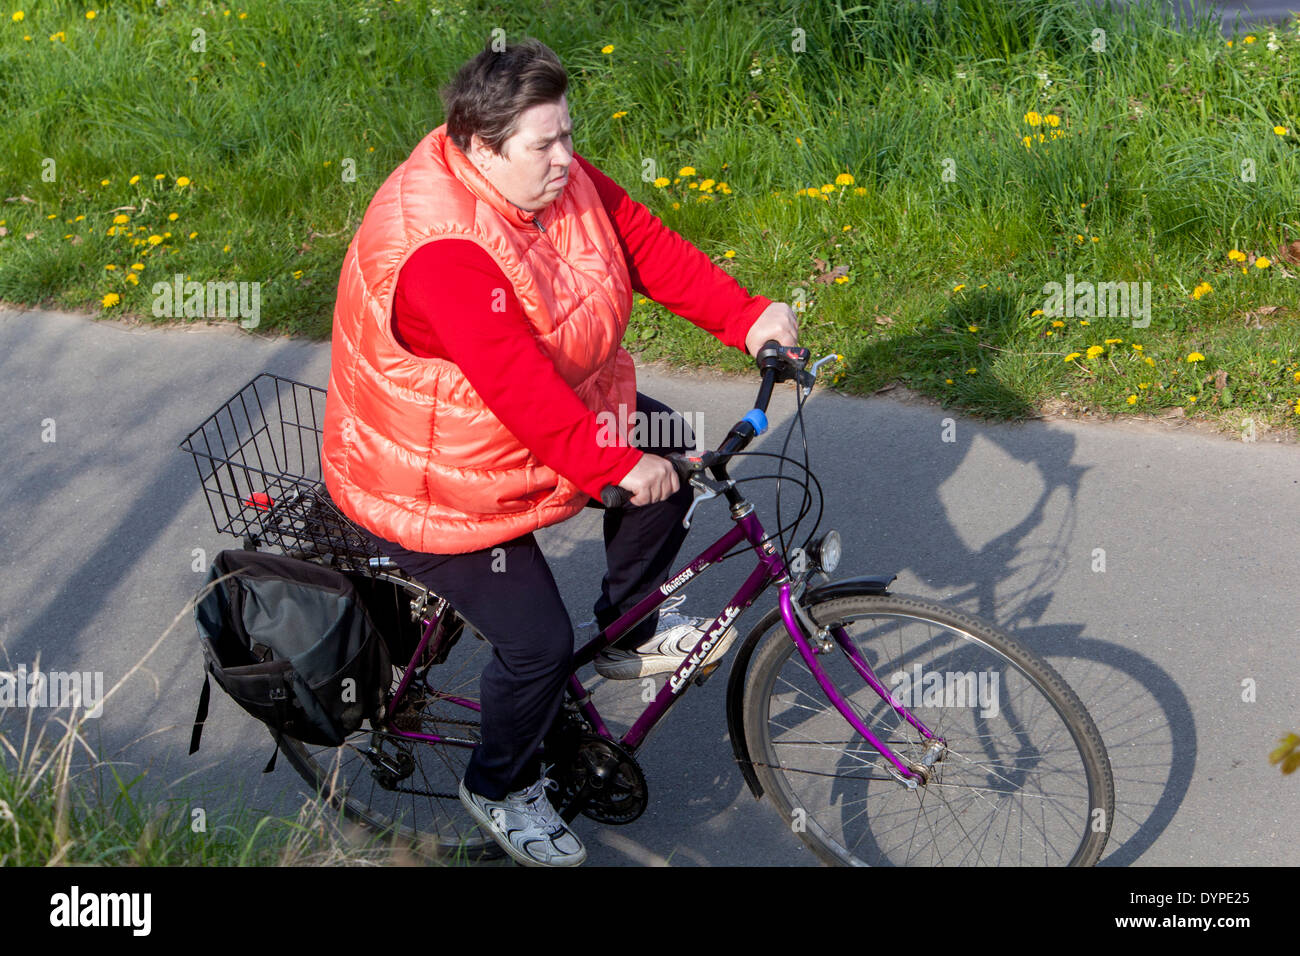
(533, 167)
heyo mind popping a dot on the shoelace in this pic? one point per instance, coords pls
(536, 800)
(670, 604)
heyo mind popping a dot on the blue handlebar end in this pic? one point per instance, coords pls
(756, 418)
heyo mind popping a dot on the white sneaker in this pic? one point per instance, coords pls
(527, 826)
(674, 639)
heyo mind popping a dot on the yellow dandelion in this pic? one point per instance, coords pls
(840, 280)
(1027, 141)
(1191, 399)
(90, 14)
(297, 273)
(677, 205)
(1236, 255)
(1032, 118)
(1094, 351)
(182, 181)
(18, 16)
(137, 266)
(1136, 347)
(132, 278)
(707, 185)
(1195, 357)
(1056, 323)
(110, 267)
(1262, 262)
(859, 190)
(686, 171)
(729, 254)
(1250, 39)
(958, 288)
(105, 182)
(1142, 385)
(947, 381)
(160, 176)
(828, 188)
(844, 179)
(607, 48)
(1114, 341)
(225, 248)
(661, 182)
(1072, 356)
(1084, 322)
(1132, 399)
(971, 371)
(619, 115)
(972, 328)
(1280, 130)
(111, 300)
(61, 37)
(121, 218)
(193, 234)
(173, 216)
(155, 239)
(1051, 119)
(1150, 361)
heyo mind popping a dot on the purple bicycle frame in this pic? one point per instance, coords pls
(771, 568)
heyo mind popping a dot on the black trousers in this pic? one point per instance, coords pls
(520, 612)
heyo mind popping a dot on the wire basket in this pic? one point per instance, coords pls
(259, 461)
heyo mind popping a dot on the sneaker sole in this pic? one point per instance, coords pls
(661, 664)
(490, 828)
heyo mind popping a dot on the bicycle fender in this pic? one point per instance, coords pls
(862, 584)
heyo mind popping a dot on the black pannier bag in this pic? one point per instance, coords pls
(283, 638)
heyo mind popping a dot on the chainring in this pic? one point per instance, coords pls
(602, 782)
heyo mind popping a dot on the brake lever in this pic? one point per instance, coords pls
(806, 377)
(709, 489)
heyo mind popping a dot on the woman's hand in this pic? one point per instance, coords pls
(652, 479)
(778, 322)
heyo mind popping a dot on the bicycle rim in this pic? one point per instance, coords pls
(404, 788)
(1025, 780)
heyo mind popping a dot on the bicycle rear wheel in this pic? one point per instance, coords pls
(394, 785)
(1025, 779)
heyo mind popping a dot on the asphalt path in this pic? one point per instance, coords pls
(1197, 602)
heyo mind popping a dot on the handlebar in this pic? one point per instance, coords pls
(778, 363)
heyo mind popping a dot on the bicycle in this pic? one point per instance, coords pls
(870, 719)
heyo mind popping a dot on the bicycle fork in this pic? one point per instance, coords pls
(910, 775)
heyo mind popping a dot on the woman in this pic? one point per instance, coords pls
(476, 340)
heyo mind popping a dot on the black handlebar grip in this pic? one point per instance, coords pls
(614, 496)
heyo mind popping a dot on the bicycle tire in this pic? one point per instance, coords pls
(437, 827)
(779, 681)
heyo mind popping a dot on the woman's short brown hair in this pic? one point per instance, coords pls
(490, 91)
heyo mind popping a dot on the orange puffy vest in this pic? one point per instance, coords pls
(410, 451)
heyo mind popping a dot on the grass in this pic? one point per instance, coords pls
(260, 131)
(62, 803)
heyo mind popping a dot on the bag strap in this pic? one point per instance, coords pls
(201, 715)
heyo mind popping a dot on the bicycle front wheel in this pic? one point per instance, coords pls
(1024, 779)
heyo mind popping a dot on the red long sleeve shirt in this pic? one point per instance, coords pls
(442, 309)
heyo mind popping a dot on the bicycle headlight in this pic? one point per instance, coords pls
(826, 551)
